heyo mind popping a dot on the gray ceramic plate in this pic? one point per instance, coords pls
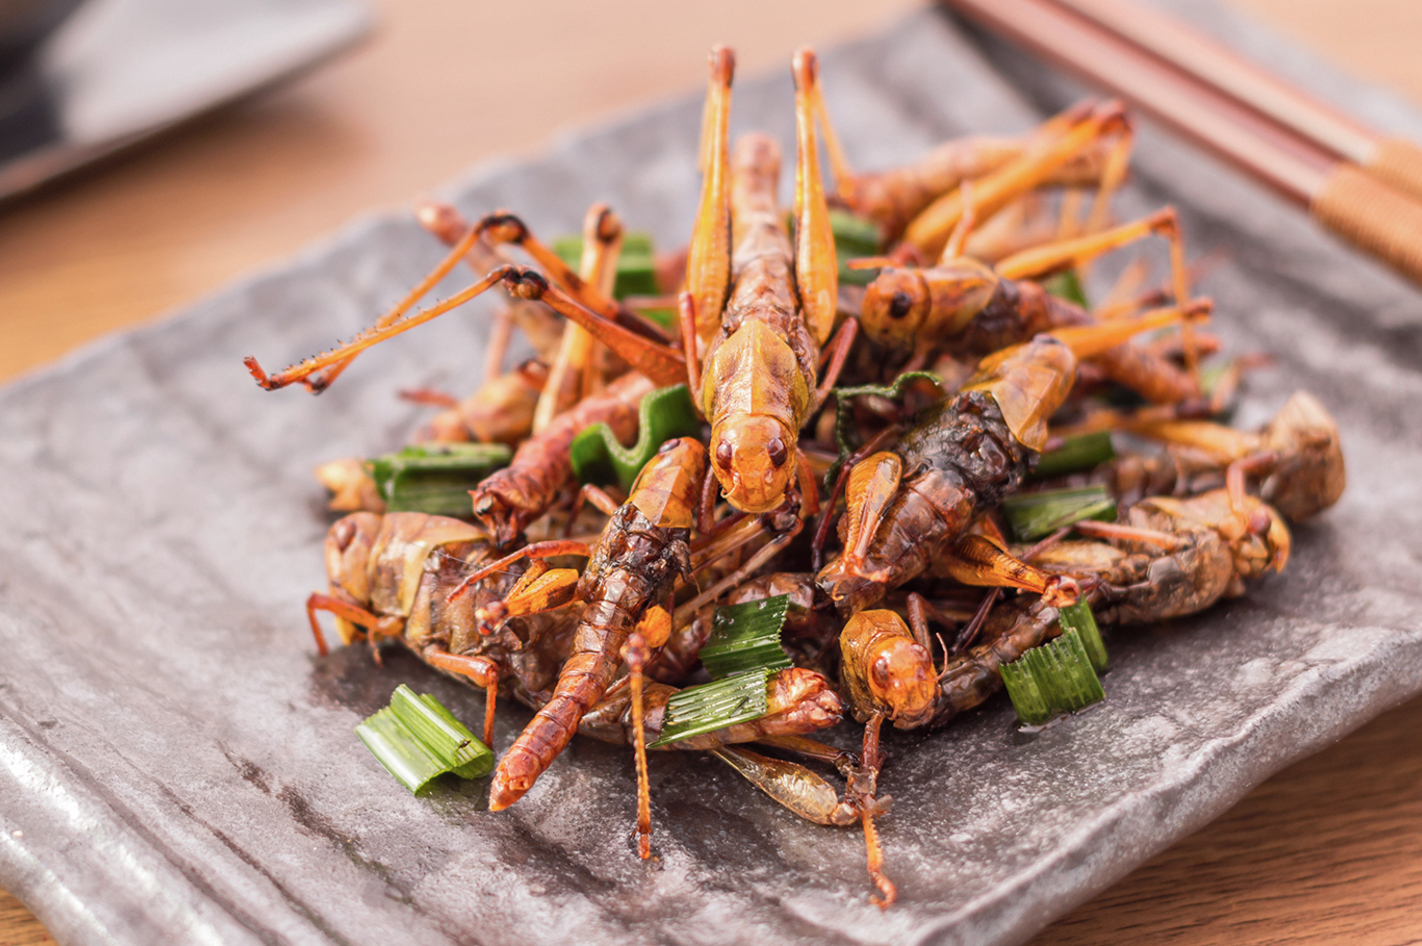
(177, 766)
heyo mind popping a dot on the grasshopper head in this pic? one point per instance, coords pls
(883, 662)
(896, 304)
(901, 306)
(755, 458)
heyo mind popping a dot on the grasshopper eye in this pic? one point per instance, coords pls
(776, 449)
(899, 305)
(879, 671)
(723, 454)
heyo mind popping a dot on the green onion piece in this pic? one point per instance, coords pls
(1069, 681)
(636, 267)
(417, 739)
(435, 478)
(1032, 516)
(1067, 285)
(746, 637)
(1033, 707)
(1078, 618)
(716, 705)
(854, 237)
(1054, 678)
(1076, 455)
(663, 414)
(665, 319)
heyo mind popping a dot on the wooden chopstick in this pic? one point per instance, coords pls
(1394, 161)
(1372, 215)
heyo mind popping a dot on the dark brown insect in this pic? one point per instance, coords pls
(960, 456)
(1167, 558)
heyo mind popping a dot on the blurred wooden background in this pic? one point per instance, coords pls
(1326, 851)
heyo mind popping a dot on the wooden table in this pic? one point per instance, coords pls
(1329, 850)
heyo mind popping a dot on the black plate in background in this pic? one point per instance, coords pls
(119, 71)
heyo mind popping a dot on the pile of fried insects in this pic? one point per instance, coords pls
(940, 466)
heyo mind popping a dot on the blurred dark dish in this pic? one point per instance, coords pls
(25, 23)
(119, 71)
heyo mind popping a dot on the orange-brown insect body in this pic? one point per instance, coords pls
(509, 499)
(886, 671)
(760, 367)
(637, 559)
(964, 308)
(401, 566)
(960, 455)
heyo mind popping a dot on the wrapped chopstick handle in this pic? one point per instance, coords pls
(1397, 163)
(1372, 216)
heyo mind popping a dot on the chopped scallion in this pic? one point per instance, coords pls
(1078, 454)
(417, 739)
(1032, 516)
(1078, 617)
(435, 478)
(636, 265)
(746, 637)
(716, 705)
(854, 237)
(1051, 679)
(1067, 285)
(599, 458)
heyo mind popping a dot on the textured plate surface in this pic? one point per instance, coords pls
(177, 766)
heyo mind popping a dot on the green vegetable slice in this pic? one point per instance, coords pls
(1032, 516)
(663, 414)
(1078, 617)
(1067, 286)
(1079, 454)
(1051, 679)
(435, 478)
(746, 637)
(636, 266)
(716, 705)
(854, 237)
(417, 739)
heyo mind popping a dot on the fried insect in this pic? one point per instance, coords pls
(509, 499)
(969, 310)
(799, 701)
(573, 373)
(960, 456)
(1060, 143)
(1168, 558)
(644, 548)
(1295, 460)
(893, 198)
(761, 308)
(389, 578)
(499, 411)
(757, 309)
(499, 227)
